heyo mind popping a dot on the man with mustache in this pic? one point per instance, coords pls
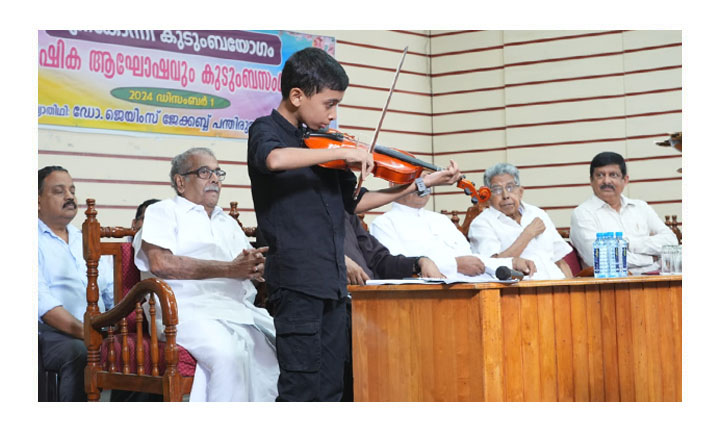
(608, 210)
(203, 254)
(62, 281)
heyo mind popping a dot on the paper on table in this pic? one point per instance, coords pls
(424, 281)
(417, 281)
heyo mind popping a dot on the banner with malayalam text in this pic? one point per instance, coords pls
(204, 82)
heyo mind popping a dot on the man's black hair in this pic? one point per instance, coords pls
(44, 172)
(141, 208)
(312, 70)
(608, 158)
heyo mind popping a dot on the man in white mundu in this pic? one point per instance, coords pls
(203, 254)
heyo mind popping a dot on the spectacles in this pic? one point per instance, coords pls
(205, 172)
(509, 188)
(612, 175)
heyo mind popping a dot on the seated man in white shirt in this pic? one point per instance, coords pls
(410, 230)
(137, 222)
(203, 254)
(608, 210)
(62, 282)
(511, 227)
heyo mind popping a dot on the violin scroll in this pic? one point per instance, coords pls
(477, 195)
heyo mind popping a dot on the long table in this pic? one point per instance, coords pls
(580, 339)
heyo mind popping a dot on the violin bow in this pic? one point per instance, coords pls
(382, 116)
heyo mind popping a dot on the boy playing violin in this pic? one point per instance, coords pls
(299, 207)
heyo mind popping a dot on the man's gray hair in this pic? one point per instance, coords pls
(182, 164)
(501, 168)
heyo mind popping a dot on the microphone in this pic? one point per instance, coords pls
(504, 273)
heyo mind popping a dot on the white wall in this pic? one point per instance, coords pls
(472, 96)
(548, 101)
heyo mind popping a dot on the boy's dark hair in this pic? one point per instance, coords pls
(141, 208)
(608, 158)
(312, 70)
(44, 172)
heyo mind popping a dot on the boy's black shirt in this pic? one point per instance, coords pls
(300, 213)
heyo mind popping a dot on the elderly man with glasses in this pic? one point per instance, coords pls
(511, 227)
(410, 230)
(205, 257)
(608, 210)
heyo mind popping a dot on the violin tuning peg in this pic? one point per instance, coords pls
(467, 191)
(474, 200)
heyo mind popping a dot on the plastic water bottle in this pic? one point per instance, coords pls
(613, 255)
(600, 254)
(622, 246)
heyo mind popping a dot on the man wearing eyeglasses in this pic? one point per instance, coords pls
(608, 210)
(512, 227)
(204, 256)
(410, 230)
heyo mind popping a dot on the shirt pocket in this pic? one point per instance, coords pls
(639, 227)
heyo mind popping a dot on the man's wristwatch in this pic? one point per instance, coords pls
(422, 190)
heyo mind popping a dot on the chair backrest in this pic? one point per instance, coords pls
(125, 274)
(235, 213)
(674, 226)
(470, 214)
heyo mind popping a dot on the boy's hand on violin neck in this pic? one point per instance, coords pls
(361, 158)
(448, 176)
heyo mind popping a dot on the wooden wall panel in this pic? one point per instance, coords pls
(566, 96)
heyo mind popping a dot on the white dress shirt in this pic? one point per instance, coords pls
(419, 232)
(641, 227)
(491, 232)
(223, 304)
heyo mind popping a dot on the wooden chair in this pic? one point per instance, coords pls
(235, 213)
(471, 213)
(674, 225)
(123, 351)
(262, 295)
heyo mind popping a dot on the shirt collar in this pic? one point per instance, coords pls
(43, 228)
(285, 124)
(499, 215)
(596, 203)
(406, 209)
(187, 206)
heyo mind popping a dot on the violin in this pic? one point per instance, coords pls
(391, 164)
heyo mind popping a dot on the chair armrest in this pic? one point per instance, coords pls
(162, 290)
